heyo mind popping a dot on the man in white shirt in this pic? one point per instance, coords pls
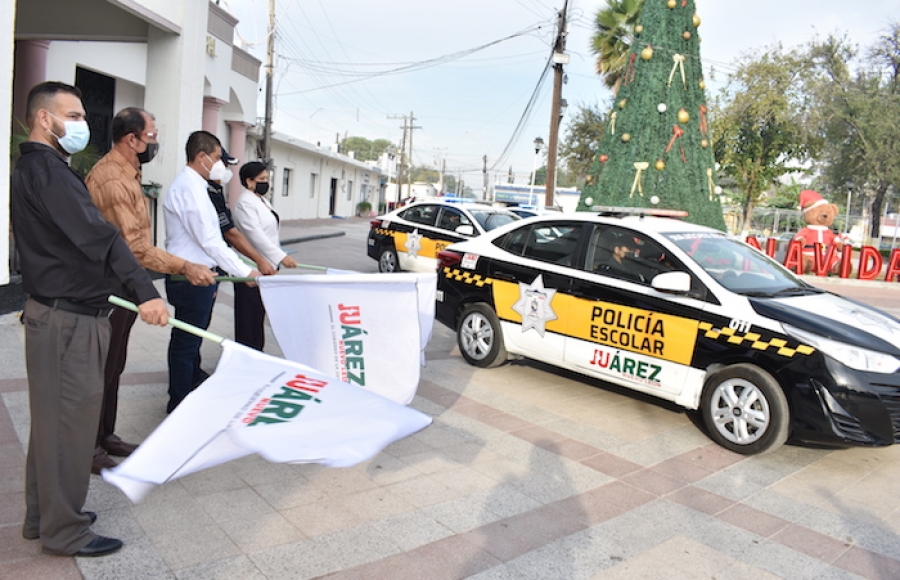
(192, 233)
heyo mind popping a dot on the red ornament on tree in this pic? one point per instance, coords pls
(604, 158)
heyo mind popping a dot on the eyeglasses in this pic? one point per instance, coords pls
(150, 135)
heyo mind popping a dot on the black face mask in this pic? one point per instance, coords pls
(147, 155)
(262, 187)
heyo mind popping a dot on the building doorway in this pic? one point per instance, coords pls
(332, 196)
(99, 96)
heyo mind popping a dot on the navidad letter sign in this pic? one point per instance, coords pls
(869, 263)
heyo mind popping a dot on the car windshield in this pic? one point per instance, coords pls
(738, 267)
(490, 220)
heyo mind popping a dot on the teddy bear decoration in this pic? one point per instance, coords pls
(818, 236)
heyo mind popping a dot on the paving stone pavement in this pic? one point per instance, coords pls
(526, 473)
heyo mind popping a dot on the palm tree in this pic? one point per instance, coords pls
(613, 38)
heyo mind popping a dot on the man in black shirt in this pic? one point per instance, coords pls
(71, 261)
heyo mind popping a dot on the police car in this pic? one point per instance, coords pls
(410, 238)
(685, 313)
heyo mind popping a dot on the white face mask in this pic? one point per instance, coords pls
(226, 177)
(218, 172)
(76, 137)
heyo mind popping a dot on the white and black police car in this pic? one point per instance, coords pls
(685, 313)
(410, 238)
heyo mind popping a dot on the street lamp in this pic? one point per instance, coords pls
(538, 145)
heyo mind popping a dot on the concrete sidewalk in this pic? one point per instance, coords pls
(526, 473)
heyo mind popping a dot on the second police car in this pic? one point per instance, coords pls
(682, 312)
(410, 237)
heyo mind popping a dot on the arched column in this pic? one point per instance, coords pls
(30, 69)
(237, 147)
(211, 108)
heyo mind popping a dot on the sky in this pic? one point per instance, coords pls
(336, 66)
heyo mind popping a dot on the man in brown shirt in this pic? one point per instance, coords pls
(115, 186)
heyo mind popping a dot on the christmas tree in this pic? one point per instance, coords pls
(656, 150)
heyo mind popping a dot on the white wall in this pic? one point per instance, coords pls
(123, 60)
(303, 159)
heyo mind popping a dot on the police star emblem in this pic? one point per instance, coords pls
(413, 243)
(535, 304)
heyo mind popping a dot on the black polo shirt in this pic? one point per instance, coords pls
(66, 249)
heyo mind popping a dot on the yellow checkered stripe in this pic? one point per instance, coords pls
(384, 231)
(731, 336)
(466, 277)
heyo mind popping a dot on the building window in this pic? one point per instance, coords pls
(285, 182)
(349, 190)
(313, 181)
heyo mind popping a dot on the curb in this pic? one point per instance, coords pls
(289, 241)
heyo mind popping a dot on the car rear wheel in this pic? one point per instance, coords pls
(480, 338)
(387, 260)
(745, 410)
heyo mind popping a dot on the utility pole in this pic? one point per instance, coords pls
(270, 69)
(484, 171)
(559, 59)
(402, 156)
(412, 126)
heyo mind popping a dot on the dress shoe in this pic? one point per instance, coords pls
(35, 535)
(117, 447)
(100, 546)
(102, 460)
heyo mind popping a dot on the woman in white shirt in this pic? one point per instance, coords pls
(254, 216)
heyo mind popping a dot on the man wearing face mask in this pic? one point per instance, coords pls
(115, 187)
(192, 233)
(71, 261)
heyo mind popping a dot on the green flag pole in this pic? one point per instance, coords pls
(182, 278)
(176, 323)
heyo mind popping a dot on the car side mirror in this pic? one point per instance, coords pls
(672, 282)
(466, 230)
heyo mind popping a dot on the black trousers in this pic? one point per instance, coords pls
(121, 320)
(249, 316)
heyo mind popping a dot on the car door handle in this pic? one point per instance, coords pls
(504, 276)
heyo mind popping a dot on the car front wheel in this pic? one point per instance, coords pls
(387, 260)
(480, 338)
(745, 409)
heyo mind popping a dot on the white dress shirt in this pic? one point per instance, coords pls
(192, 226)
(253, 215)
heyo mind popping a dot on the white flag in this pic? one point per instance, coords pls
(257, 403)
(369, 330)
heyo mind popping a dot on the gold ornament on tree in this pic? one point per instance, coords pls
(660, 165)
(647, 53)
(696, 20)
(622, 103)
(639, 29)
(671, 3)
(683, 116)
(626, 137)
(686, 35)
(702, 85)
(704, 143)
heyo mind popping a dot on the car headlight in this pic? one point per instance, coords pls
(861, 359)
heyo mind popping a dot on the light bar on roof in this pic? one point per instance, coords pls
(611, 211)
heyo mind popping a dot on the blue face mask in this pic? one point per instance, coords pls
(76, 137)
